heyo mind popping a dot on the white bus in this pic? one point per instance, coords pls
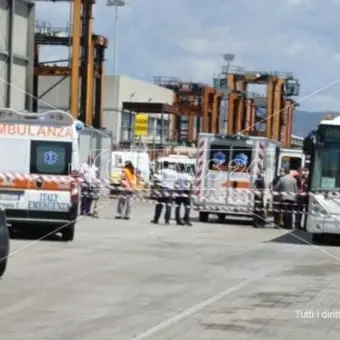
(324, 184)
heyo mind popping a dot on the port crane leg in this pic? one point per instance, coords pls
(75, 59)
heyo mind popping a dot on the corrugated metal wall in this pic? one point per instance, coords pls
(17, 19)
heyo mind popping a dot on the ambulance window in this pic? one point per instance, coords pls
(52, 158)
(241, 156)
(219, 155)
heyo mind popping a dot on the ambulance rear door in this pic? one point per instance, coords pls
(226, 182)
(239, 194)
(15, 161)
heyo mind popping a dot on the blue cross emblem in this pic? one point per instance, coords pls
(50, 157)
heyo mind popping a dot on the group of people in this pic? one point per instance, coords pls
(290, 200)
(176, 188)
(170, 182)
(175, 185)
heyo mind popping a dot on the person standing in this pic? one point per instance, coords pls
(277, 213)
(301, 201)
(183, 187)
(129, 183)
(88, 171)
(167, 178)
(259, 216)
(288, 189)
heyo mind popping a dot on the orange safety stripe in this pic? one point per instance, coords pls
(240, 185)
(26, 182)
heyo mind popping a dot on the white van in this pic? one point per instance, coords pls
(140, 160)
(175, 160)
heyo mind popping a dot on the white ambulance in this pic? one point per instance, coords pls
(226, 169)
(38, 154)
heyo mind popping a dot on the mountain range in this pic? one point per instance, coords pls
(304, 122)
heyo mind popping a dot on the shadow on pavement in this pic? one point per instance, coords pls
(304, 238)
(243, 222)
(294, 237)
(35, 235)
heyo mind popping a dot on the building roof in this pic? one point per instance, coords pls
(148, 107)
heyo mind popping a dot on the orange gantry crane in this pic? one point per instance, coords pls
(198, 109)
(85, 67)
(242, 112)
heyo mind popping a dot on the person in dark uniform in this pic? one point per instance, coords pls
(259, 216)
(287, 187)
(88, 172)
(301, 199)
(277, 213)
(167, 179)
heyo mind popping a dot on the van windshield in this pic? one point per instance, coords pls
(189, 168)
(50, 158)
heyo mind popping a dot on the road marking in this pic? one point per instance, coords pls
(195, 309)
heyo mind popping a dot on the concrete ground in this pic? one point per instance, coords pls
(132, 280)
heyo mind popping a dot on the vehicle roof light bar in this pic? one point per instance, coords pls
(238, 137)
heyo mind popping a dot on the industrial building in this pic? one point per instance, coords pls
(17, 18)
(54, 93)
(169, 110)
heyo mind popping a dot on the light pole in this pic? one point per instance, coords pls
(228, 58)
(116, 4)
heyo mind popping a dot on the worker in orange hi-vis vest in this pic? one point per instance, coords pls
(129, 182)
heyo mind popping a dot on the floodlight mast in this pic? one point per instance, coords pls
(116, 4)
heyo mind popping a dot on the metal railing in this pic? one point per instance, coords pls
(238, 70)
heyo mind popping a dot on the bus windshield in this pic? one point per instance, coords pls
(326, 169)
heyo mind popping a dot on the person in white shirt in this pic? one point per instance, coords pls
(167, 178)
(88, 171)
(183, 186)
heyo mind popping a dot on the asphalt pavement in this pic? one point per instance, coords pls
(121, 280)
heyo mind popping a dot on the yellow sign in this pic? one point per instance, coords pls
(141, 125)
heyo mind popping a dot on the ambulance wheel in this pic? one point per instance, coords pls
(68, 233)
(203, 217)
(4, 246)
(317, 238)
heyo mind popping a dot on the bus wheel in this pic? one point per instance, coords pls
(68, 233)
(203, 216)
(317, 238)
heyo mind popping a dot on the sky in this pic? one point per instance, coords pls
(187, 38)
